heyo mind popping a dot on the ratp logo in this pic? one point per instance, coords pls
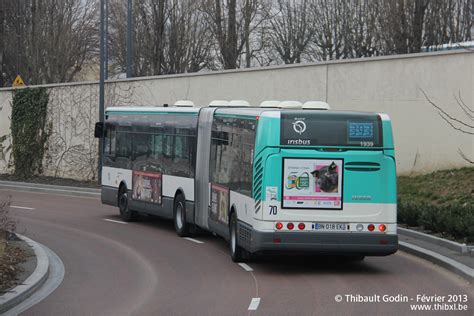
(299, 126)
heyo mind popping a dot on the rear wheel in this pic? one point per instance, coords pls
(126, 214)
(237, 253)
(179, 215)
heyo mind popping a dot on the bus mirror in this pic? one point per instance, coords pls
(99, 130)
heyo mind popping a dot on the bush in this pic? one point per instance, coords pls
(7, 225)
(408, 213)
(456, 220)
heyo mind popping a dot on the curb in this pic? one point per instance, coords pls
(462, 248)
(32, 283)
(47, 188)
(448, 263)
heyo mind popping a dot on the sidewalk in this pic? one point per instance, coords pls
(52, 189)
(456, 257)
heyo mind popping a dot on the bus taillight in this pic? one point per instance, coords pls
(301, 226)
(290, 226)
(382, 227)
(371, 227)
(279, 226)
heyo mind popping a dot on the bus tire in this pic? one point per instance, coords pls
(357, 258)
(179, 216)
(126, 214)
(237, 253)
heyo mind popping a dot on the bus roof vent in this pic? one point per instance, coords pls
(270, 104)
(290, 105)
(184, 103)
(316, 105)
(239, 103)
(219, 103)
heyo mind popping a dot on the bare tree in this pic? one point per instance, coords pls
(48, 41)
(464, 125)
(172, 37)
(447, 22)
(291, 30)
(2, 40)
(402, 23)
(189, 42)
(233, 22)
(328, 19)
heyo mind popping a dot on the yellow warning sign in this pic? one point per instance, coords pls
(18, 82)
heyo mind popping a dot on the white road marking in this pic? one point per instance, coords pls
(22, 207)
(246, 267)
(254, 304)
(194, 240)
(113, 221)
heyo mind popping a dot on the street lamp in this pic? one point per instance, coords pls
(101, 83)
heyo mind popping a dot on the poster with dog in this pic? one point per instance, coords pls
(312, 183)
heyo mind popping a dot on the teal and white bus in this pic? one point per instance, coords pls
(276, 178)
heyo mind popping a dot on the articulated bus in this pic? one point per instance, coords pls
(279, 178)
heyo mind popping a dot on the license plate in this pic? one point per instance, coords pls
(331, 227)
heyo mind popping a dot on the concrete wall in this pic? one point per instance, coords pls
(393, 84)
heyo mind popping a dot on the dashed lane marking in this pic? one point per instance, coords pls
(246, 267)
(114, 221)
(193, 240)
(22, 207)
(254, 304)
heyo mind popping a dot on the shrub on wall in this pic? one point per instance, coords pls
(28, 130)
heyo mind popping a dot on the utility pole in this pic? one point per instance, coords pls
(106, 74)
(129, 39)
(2, 40)
(101, 83)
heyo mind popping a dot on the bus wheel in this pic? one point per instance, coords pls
(237, 253)
(357, 258)
(179, 216)
(126, 214)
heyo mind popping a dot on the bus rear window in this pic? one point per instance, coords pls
(304, 128)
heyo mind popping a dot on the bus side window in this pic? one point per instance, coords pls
(168, 145)
(157, 146)
(141, 146)
(124, 144)
(178, 148)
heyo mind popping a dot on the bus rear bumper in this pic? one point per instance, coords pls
(366, 244)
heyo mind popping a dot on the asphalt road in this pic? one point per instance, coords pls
(143, 268)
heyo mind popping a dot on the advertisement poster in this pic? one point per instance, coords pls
(312, 183)
(146, 186)
(219, 203)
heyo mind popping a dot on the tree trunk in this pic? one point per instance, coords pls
(3, 244)
(230, 57)
(418, 19)
(248, 18)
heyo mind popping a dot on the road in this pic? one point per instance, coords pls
(143, 268)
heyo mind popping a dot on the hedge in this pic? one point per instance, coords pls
(456, 220)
